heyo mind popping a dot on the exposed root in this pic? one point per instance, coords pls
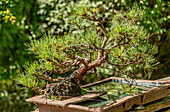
(69, 88)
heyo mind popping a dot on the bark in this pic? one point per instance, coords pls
(69, 88)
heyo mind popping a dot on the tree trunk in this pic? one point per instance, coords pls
(65, 89)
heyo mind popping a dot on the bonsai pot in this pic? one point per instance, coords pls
(105, 100)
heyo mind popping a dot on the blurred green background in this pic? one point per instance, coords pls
(20, 19)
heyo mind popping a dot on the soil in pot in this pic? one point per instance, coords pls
(64, 90)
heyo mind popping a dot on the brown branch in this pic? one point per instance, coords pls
(54, 63)
(81, 48)
(97, 62)
(91, 71)
(102, 27)
(105, 41)
(59, 61)
(93, 13)
(132, 62)
(111, 41)
(47, 78)
(38, 90)
(74, 63)
(86, 45)
(122, 43)
(65, 64)
(85, 51)
(62, 71)
(106, 38)
(65, 71)
(120, 64)
(90, 19)
(94, 47)
(79, 73)
(81, 28)
(69, 55)
(100, 54)
(69, 66)
(82, 60)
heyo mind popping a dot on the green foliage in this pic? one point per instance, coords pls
(13, 33)
(156, 16)
(12, 49)
(128, 52)
(156, 21)
(127, 26)
(5, 14)
(84, 91)
(13, 97)
(29, 80)
(55, 15)
(124, 43)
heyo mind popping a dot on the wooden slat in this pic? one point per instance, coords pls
(40, 100)
(153, 106)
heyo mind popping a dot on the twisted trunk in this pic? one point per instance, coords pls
(69, 87)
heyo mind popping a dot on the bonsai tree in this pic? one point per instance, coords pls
(115, 40)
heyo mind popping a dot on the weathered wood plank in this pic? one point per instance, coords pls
(153, 106)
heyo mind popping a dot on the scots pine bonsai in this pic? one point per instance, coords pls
(113, 40)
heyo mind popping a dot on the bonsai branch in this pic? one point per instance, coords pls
(125, 64)
(81, 28)
(38, 90)
(47, 77)
(105, 41)
(83, 49)
(78, 58)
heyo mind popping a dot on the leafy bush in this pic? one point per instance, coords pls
(13, 97)
(123, 44)
(12, 53)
